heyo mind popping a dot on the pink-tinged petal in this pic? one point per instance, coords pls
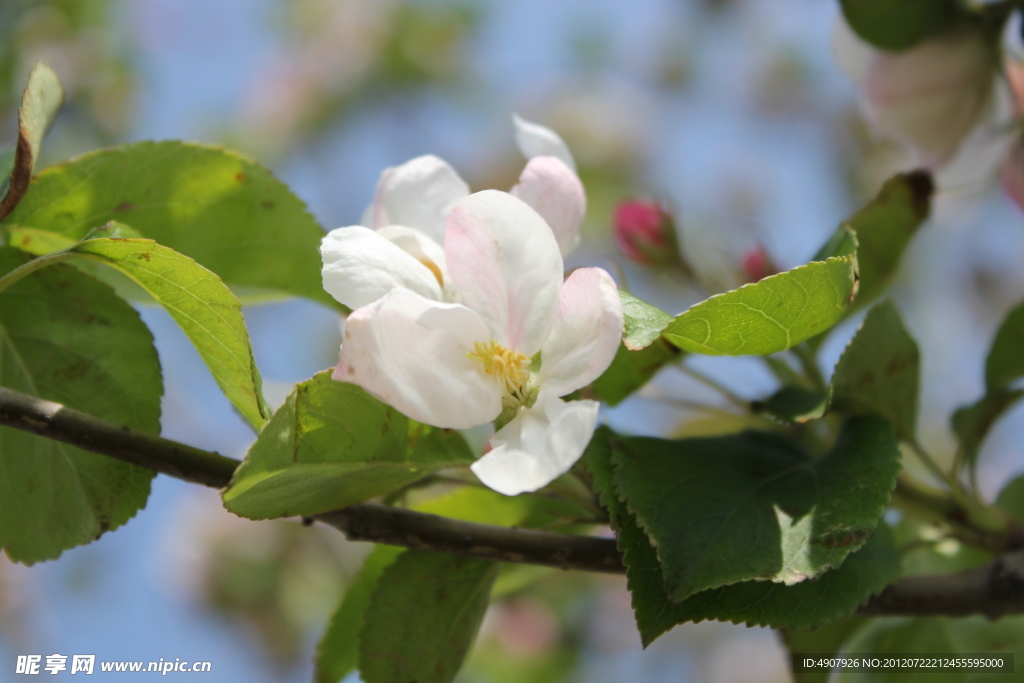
(586, 335)
(413, 354)
(539, 445)
(366, 218)
(556, 193)
(505, 263)
(418, 194)
(535, 140)
(361, 266)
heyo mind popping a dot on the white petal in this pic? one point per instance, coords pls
(586, 334)
(505, 263)
(535, 140)
(979, 156)
(930, 96)
(361, 266)
(418, 194)
(538, 446)
(852, 53)
(426, 251)
(556, 193)
(412, 353)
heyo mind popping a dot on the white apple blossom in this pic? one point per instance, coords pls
(519, 340)
(928, 97)
(399, 243)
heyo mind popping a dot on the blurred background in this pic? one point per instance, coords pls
(731, 112)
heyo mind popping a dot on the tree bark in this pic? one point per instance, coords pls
(995, 589)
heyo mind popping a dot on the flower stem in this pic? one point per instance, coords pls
(712, 383)
(810, 367)
(930, 463)
(782, 371)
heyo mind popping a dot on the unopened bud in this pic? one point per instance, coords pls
(757, 265)
(645, 233)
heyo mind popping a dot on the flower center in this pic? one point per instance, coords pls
(432, 267)
(507, 365)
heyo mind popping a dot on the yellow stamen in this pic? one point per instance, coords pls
(507, 365)
(432, 267)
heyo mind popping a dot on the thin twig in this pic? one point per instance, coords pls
(810, 366)
(931, 464)
(781, 370)
(994, 589)
(366, 522)
(712, 383)
(980, 514)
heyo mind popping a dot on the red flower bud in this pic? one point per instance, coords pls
(645, 233)
(757, 264)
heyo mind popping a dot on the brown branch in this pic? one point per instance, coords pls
(411, 529)
(367, 522)
(994, 590)
(57, 422)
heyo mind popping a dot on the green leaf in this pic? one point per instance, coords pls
(423, 617)
(642, 322)
(770, 315)
(972, 423)
(754, 506)
(1005, 362)
(44, 243)
(65, 337)
(885, 226)
(1004, 366)
(215, 206)
(337, 653)
(827, 640)
(899, 25)
(843, 242)
(834, 595)
(936, 636)
(37, 242)
(39, 104)
(113, 230)
(208, 313)
(631, 370)
(1011, 499)
(793, 405)
(644, 577)
(477, 504)
(879, 371)
(332, 445)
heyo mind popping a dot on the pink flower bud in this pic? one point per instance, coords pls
(757, 264)
(645, 233)
(928, 97)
